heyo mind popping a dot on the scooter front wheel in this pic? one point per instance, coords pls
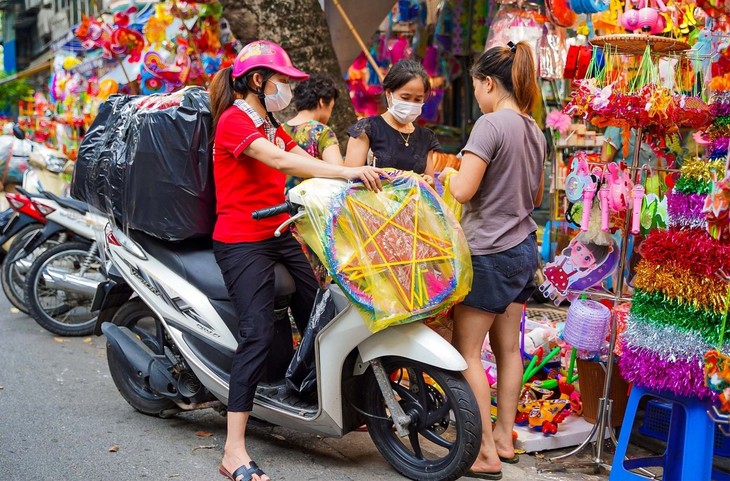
(445, 429)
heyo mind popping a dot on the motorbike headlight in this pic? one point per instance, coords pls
(55, 164)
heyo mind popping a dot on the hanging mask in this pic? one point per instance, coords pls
(404, 112)
(578, 179)
(280, 100)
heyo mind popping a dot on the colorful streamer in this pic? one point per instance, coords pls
(676, 282)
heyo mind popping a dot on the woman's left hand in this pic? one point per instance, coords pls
(428, 179)
(370, 176)
(445, 173)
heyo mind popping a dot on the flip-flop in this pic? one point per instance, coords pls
(247, 472)
(513, 460)
(492, 476)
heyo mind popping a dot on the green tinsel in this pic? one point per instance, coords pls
(655, 308)
(722, 120)
(689, 185)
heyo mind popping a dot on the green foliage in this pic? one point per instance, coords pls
(12, 92)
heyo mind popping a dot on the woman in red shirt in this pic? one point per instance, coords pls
(252, 155)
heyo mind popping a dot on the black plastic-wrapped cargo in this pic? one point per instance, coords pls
(147, 160)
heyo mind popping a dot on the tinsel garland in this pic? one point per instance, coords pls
(677, 282)
(689, 185)
(651, 369)
(720, 106)
(685, 210)
(697, 175)
(719, 122)
(671, 342)
(658, 310)
(691, 249)
(718, 147)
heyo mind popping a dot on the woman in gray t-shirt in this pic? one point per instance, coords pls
(500, 183)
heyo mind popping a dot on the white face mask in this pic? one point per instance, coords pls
(280, 100)
(404, 112)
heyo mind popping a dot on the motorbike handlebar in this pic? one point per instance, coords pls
(272, 211)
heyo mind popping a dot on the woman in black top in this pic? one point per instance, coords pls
(394, 140)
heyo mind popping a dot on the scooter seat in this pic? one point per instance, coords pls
(194, 261)
(69, 203)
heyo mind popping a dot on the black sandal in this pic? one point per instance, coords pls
(247, 472)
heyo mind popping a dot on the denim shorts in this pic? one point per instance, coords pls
(503, 278)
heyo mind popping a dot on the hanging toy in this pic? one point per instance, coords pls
(638, 195)
(654, 214)
(716, 209)
(588, 193)
(646, 18)
(619, 187)
(578, 179)
(630, 18)
(603, 199)
(580, 265)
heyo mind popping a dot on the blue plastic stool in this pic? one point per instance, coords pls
(690, 444)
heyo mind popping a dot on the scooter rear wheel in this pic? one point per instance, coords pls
(56, 308)
(138, 318)
(445, 432)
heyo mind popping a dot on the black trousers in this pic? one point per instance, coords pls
(248, 270)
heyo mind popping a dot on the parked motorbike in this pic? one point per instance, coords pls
(22, 219)
(62, 279)
(170, 349)
(46, 170)
(26, 221)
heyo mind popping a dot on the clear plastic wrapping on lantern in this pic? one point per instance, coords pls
(399, 254)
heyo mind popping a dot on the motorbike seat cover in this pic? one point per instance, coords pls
(69, 203)
(194, 261)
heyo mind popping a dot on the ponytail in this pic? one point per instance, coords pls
(221, 94)
(524, 78)
(514, 67)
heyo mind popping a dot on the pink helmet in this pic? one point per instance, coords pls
(265, 54)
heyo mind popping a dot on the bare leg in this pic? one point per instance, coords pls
(234, 453)
(470, 328)
(504, 337)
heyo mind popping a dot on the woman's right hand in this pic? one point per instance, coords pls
(370, 176)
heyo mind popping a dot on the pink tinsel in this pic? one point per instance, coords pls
(684, 377)
(558, 121)
(685, 210)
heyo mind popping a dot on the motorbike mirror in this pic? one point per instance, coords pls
(18, 132)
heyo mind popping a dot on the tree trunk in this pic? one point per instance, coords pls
(301, 28)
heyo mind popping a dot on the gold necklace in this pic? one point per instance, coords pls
(406, 138)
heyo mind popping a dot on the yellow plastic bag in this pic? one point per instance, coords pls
(399, 254)
(452, 204)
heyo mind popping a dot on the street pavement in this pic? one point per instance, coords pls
(61, 418)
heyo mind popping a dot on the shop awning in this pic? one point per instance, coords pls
(41, 64)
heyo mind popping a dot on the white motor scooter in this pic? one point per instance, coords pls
(61, 266)
(170, 349)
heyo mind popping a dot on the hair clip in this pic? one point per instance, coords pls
(512, 46)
